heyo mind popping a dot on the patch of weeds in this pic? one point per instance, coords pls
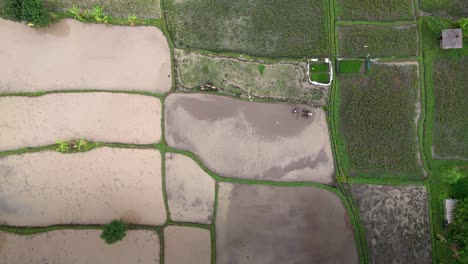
(75, 145)
(96, 14)
(132, 19)
(31, 11)
(261, 68)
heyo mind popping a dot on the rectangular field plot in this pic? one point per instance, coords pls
(79, 246)
(351, 66)
(377, 41)
(396, 222)
(450, 129)
(99, 117)
(117, 8)
(270, 140)
(272, 224)
(70, 55)
(284, 81)
(375, 10)
(47, 188)
(266, 28)
(453, 9)
(378, 116)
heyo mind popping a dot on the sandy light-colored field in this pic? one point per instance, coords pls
(104, 117)
(73, 55)
(187, 245)
(250, 140)
(264, 224)
(190, 190)
(46, 188)
(78, 247)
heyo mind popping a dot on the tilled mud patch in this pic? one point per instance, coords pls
(250, 140)
(103, 117)
(270, 224)
(396, 222)
(78, 246)
(72, 55)
(190, 190)
(47, 188)
(186, 245)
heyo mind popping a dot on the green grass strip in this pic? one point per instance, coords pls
(42, 93)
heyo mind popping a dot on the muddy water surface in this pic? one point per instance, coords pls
(250, 140)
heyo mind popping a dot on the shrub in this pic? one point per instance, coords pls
(437, 24)
(132, 19)
(33, 11)
(114, 231)
(62, 146)
(452, 175)
(11, 9)
(463, 23)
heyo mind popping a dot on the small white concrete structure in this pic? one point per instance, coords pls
(452, 39)
(330, 68)
(449, 206)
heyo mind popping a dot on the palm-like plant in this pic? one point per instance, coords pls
(76, 12)
(98, 13)
(132, 19)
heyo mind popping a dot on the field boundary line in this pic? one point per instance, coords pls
(376, 23)
(76, 91)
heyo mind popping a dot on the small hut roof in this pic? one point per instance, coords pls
(452, 39)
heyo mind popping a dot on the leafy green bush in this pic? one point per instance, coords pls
(463, 23)
(452, 175)
(11, 9)
(114, 231)
(377, 120)
(437, 24)
(31, 11)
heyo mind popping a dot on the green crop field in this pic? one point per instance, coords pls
(375, 10)
(284, 81)
(117, 8)
(377, 40)
(296, 28)
(351, 66)
(377, 118)
(450, 135)
(447, 8)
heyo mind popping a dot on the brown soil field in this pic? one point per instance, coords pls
(72, 55)
(190, 190)
(104, 117)
(270, 224)
(186, 245)
(47, 188)
(78, 247)
(249, 140)
(396, 220)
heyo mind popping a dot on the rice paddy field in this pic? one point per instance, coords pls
(264, 28)
(396, 219)
(351, 66)
(450, 134)
(454, 9)
(377, 40)
(380, 10)
(286, 81)
(378, 115)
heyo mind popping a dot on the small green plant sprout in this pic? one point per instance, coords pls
(341, 178)
(80, 145)
(98, 14)
(114, 231)
(261, 68)
(132, 19)
(62, 146)
(76, 12)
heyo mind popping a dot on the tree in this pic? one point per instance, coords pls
(452, 175)
(33, 11)
(458, 229)
(114, 231)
